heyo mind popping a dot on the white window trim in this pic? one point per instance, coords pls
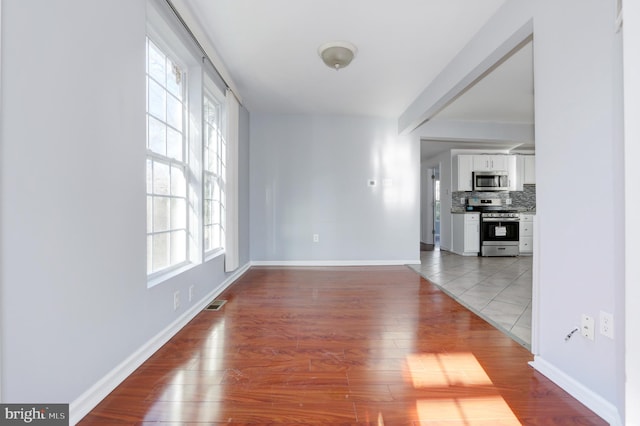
(212, 90)
(165, 38)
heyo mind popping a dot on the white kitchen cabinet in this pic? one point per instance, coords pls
(490, 163)
(529, 169)
(465, 164)
(462, 173)
(466, 234)
(526, 233)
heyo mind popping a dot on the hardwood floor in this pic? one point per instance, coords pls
(339, 346)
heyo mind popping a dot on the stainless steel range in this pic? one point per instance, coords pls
(499, 227)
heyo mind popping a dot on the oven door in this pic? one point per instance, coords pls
(500, 231)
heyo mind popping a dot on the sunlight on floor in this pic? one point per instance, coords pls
(443, 370)
(447, 369)
(488, 410)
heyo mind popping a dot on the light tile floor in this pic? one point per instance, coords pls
(496, 288)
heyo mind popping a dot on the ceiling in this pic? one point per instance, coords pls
(505, 95)
(270, 50)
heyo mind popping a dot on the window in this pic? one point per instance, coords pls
(167, 202)
(187, 149)
(214, 173)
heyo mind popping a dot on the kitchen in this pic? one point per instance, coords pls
(488, 207)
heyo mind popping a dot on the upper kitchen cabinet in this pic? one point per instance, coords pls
(465, 164)
(526, 171)
(529, 169)
(462, 173)
(489, 163)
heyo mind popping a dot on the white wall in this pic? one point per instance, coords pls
(309, 175)
(580, 184)
(75, 298)
(631, 31)
(577, 87)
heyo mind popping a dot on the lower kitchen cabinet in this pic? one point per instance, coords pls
(466, 234)
(526, 233)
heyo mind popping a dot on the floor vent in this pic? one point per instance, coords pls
(215, 305)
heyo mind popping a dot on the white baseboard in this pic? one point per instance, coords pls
(592, 400)
(82, 405)
(334, 262)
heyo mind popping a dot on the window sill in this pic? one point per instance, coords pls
(152, 282)
(213, 254)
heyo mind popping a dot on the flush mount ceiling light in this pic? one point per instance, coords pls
(337, 54)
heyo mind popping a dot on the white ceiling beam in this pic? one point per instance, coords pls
(506, 31)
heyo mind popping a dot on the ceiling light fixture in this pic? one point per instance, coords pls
(337, 54)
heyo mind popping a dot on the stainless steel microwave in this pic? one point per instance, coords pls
(491, 181)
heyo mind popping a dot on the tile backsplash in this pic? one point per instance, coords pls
(525, 199)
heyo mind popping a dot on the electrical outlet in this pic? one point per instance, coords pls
(588, 326)
(191, 288)
(316, 238)
(176, 300)
(606, 324)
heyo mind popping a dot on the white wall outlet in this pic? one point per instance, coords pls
(191, 290)
(316, 238)
(588, 327)
(176, 300)
(462, 200)
(606, 324)
(508, 201)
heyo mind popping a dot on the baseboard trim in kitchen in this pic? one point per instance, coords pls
(592, 400)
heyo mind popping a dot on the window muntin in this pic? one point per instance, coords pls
(167, 202)
(214, 148)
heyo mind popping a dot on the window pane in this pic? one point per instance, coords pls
(178, 183)
(149, 254)
(157, 100)
(149, 176)
(215, 236)
(207, 237)
(160, 214)
(174, 112)
(215, 211)
(212, 158)
(207, 212)
(178, 213)
(174, 144)
(175, 79)
(160, 253)
(156, 64)
(156, 134)
(160, 178)
(215, 195)
(178, 247)
(149, 214)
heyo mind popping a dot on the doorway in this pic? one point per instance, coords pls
(430, 208)
(435, 178)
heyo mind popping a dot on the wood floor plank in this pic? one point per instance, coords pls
(339, 346)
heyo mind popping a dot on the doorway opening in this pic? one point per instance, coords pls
(435, 177)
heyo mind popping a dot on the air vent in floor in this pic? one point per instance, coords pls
(215, 305)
